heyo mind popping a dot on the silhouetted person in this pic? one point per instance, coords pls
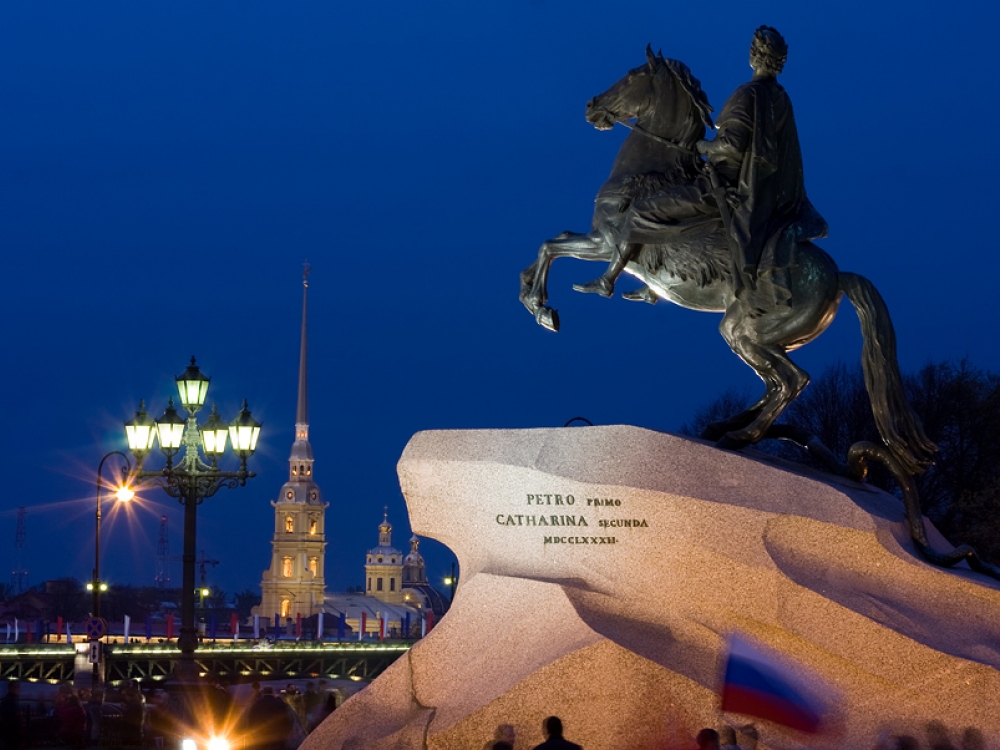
(311, 699)
(972, 739)
(503, 733)
(320, 714)
(905, 742)
(553, 729)
(707, 739)
(748, 737)
(727, 738)
(937, 736)
(94, 709)
(268, 722)
(10, 717)
(72, 719)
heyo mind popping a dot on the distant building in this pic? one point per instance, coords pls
(294, 584)
(396, 589)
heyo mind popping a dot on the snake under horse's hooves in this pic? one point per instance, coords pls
(856, 468)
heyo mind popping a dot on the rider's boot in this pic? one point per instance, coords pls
(642, 294)
(604, 284)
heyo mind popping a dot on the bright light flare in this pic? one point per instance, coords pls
(188, 744)
(218, 743)
(124, 494)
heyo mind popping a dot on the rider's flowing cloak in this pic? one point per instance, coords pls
(757, 133)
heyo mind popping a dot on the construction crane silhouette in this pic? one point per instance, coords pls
(164, 557)
(202, 562)
(19, 576)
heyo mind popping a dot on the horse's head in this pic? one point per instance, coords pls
(661, 95)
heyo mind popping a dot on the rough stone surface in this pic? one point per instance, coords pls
(624, 640)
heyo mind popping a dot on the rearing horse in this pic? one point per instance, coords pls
(695, 269)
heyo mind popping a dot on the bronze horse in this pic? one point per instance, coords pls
(695, 270)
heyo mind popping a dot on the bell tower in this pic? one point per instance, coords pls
(294, 584)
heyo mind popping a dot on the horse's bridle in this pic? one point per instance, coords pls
(658, 138)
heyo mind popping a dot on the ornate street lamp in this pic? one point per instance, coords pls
(190, 479)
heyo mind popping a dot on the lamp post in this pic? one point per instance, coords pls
(191, 479)
(96, 585)
(451, 582)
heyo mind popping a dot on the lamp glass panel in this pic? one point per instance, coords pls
(244, 437)
(192, 392)
(240, 435)
(140, 437)
(214, 440)
(171, 434)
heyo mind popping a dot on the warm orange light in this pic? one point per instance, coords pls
(124, 494)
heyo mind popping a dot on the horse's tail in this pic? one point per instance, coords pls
(898, 425)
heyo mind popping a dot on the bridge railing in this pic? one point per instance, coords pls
(238, 662)
(50, 662)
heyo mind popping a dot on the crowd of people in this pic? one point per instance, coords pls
(264, 718)
(936, 737)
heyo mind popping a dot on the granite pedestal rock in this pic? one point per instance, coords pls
(602, 567)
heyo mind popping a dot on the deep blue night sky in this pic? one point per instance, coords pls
(166, 168)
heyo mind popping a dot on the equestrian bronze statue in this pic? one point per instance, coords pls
(733, 233)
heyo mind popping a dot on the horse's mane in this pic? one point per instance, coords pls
(692, 87)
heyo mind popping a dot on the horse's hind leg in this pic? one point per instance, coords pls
(716, 430)
(784, 380)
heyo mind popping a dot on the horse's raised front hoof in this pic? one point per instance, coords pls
(730, 442)
(547, 318)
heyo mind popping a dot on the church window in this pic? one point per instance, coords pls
(369, 584)
(309, 471)
(378, 584)
(289, 495)
(314, 566)
(380, 559)
(392, 560)
(286, 608)
(392, 584)
(289, 524)
(295, 471)
(313, 525)
(286, 567)
(315, 495)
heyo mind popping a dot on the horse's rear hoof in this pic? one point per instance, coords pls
(547, 318)
(712, 432)
(730, 443)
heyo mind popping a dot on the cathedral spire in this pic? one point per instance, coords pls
(294, 584)
(302, 411)
(301, 459)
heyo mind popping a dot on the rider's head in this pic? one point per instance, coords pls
(768, 51)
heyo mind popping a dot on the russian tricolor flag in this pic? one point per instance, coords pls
(757, 683)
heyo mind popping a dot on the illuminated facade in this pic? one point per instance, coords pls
(384, 567)
(395, 589)
(294, 583)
